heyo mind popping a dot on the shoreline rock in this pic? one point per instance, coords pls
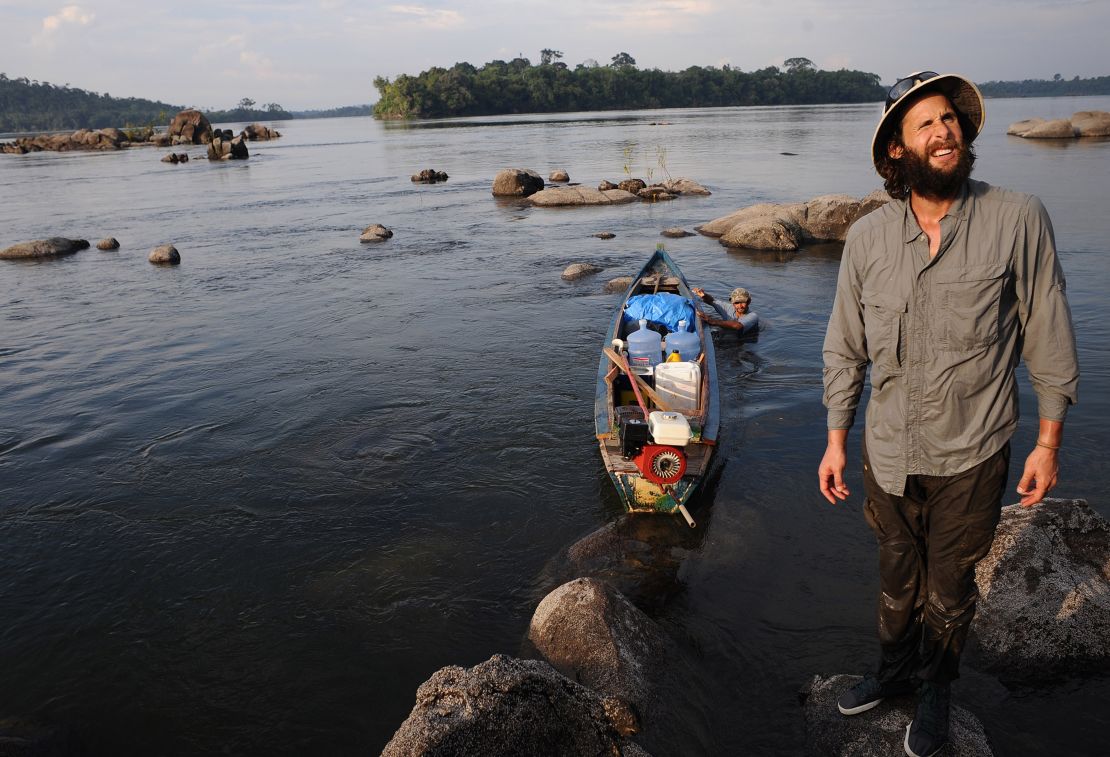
(1083, 123)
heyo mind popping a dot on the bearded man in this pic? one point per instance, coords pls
(940, 292)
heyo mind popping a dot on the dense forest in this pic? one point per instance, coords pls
(552, 86)
(1058, 86)
(27, 105)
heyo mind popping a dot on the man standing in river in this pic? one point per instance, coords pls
(940, 292)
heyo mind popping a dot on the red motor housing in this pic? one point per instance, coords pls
(661, 464)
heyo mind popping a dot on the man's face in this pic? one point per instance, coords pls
(932, 148)
(740, 307)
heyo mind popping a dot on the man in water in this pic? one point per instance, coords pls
(738, 320)
(940, 292)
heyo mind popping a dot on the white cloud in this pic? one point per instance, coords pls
(70, 14)
(427, 17)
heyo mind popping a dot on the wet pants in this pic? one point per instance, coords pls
(929, 541)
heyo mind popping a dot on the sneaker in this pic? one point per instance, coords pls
(868, 693)
(928, 732)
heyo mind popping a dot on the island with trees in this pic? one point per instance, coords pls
(551, 86)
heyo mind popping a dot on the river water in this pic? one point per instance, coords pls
(250, 503)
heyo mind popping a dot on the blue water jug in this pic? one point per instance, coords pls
(645, 347)
(686, 342)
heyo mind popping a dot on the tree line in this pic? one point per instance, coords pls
(1058, 86)
(517, 86)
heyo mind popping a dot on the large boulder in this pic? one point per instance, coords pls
(618, 285)
(1091, 123)
(191, 127)
(771, 232)
(718, 227)
(516, 182)
(828, 217)
(579, 195)
(632, 185)
(1021, 128)
(576, 271)
(1044, 606)
(684, 186)
(165, 254)
(225, 147)
(375, 232)
(591, 633)
(878, 731)
(1058, 128)
(44, 248)
(256, 132)
(873, 201)
(504, 707)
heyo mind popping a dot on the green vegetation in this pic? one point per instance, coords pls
(1058, 86)
(27, 105)
(347, 111)
(519, 87)
(245, 111)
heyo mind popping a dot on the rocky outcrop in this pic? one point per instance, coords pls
(108, 243)
(655, 193)
(676, 232)
(375, 232)
(165, 254)
(82, 139)
(44, 248)
(592, 634)
(428, 176)
(190, 127)
(576, 271)
(1084, 123)
(617, 285)
(558, 175)
(260, 132)
(506, 706)
(632, 185)
(878, 731)
(1044, 588)
(579, 195)
(222, 146)
(684, 186)
(770, 226)
(516, 182)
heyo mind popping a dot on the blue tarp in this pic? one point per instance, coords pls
(664, 309)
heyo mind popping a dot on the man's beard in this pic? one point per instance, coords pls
(934, 183)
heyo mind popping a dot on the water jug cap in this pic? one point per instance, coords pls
(682, 325)
(643, 323)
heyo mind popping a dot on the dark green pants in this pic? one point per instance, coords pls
(929, 542)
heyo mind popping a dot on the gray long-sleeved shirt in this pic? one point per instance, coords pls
(943, 335)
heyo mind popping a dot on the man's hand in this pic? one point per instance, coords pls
(1039, 477)
(698, 291)
(830, 474)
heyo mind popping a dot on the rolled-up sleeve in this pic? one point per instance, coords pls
(845, 349)
(1048, 339)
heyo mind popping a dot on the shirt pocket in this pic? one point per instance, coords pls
(969, 302)
(883, 326)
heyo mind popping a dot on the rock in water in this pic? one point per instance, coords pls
(676, 232)
(605, 235)
(881, 731)
(576, 271)
(504, 707)
(684, 186)
(575, 196)
(429, 176)
(375, 232)
(558, 175)
(165, 254)
(516, 182)
(109, 243)
(606, 185)
(617, 285)
(632, 185)
(590, 632)
(190, 126)
(44, 248)
(1044, 606)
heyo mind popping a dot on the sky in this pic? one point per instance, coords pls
(316, 54)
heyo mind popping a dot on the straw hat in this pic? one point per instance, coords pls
(965, 96)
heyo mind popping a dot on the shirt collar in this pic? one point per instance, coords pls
(911, 230)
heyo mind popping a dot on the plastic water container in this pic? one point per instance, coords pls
(645, 347)
(678, 384)
(686, 342)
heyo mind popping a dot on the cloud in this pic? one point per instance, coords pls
(651, 15)
(427, 17)
(70, 14)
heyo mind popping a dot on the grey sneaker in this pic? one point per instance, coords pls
(928, 732)
(868, 693)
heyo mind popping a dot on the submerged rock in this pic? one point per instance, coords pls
(878, 731)
(1044, 606)
(108, 243)
(504, 707)
(605, 235)
(44, 248)
(676, 232)
(684, 186)
(579, 195)
(375, 232)
(429, 176)
(618, 285)
(576, 271)
(516, 182)
(165, 254)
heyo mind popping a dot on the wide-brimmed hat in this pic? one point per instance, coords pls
(739, 294)
(965, 96)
